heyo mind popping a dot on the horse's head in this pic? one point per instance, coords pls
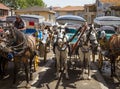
(62, 39)
(91, 35)
(9, 33)
(5, 51)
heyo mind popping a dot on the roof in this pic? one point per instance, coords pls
(89, 5)
(56, 7)
(34, 9)
(2, 6)
(71, 8)
(110, 1)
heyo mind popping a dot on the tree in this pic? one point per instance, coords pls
(18, 4)
(35, 2)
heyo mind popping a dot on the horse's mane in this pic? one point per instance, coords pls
(114, 42)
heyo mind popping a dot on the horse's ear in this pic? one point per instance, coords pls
(58, 25)
(65, 24)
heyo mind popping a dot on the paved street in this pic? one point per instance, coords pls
(44, 78)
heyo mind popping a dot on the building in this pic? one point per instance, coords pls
(4, 11)
(70, 10)
(89, 12)
(37, 10)
(115, 10)
(103, 7)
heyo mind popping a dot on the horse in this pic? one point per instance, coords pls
(19, 48)
(61, 54)
(3, 60)
(114, 51)
(88, 44)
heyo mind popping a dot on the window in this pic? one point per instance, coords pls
(0, 12)
(70, 13)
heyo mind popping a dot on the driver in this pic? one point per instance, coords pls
(19, 23)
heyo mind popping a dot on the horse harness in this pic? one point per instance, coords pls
(84, 45)
(64, 46)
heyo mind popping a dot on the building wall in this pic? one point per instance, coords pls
(103, 9)
(78, 13)
(3, 12)
(89, 13)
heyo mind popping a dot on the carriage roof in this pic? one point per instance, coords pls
(106, 28)
(34, 18)
(109, 30)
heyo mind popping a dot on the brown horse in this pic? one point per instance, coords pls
(21, 48)
(114, 48)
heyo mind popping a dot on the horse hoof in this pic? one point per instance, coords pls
(28, 85)
(67, 78)
(14, 86)
(89, 78)
(81, 78)
(31, 77)
(56, 78)
(86, 72)
(6, 76)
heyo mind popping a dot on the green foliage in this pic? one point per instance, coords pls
(18, 4)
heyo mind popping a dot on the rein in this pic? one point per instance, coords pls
(88, 36)
(21, 47)
(62, 48)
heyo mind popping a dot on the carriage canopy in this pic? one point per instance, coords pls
(70, 19)
(109, 31)
(107, 20)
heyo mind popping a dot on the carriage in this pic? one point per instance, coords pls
(75, 36)
(30, 21)
(24, 45)
(108, 39)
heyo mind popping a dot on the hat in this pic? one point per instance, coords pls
(18, 16)
(103, 34)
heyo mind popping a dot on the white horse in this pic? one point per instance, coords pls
(61, 54)
(88, 42)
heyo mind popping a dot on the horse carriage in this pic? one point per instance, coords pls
(20, 47)
(76, 36)
(108, 39)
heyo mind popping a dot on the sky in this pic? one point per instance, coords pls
(63, 3)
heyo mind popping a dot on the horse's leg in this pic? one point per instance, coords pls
(1, 61)
(15, 71)
(57, 56)
(82, 57)
(65, 64)
(112, 65)
(93, 57)
(45, 52)
(30, 64)
(4, 65)
(26, 72)
(88, 63)
(66, 69)
(100, 61)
